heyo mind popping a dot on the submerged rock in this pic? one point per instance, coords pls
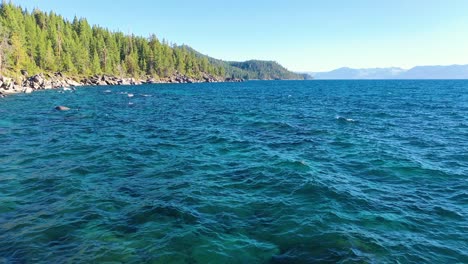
(62, 108)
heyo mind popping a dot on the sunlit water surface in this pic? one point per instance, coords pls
(255, 172)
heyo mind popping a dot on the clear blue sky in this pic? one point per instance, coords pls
(303, 35)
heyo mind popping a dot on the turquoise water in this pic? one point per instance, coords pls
(255, 172)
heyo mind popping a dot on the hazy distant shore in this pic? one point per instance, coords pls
(434, 72)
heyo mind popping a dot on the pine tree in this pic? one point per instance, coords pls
(5, 48)
(46, 42)
(95, 64)
(50, 62)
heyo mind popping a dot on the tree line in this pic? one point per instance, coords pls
(38, 42)
(46, 42)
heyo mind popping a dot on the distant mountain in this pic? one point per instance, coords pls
(436, 72)
(348, 73)
(419, 72)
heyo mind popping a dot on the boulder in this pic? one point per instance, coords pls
(110, 80)
(86, 81)
(48, 85)
(17, 88)
(24, 73)
(12, 89)
(62, 108)
(151, 81)
(95, 80)
(7, 82)
(73, 83)
(233, 80)
(125, 81)
(36, 85)
(56, 84)
(37, 79)
(6, 92)
(27, 90)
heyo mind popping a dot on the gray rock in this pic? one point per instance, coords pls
(110, 80)
(35, 85)
(73, 83)
(7, 82)
(48, 85)
(37, 79)
(28, 90)
(233, 80)
(125, 81)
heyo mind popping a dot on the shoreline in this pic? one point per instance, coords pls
(41, 81)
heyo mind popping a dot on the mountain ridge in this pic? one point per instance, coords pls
(251, 69)
(455, 71)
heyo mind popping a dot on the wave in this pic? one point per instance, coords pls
(344, 119)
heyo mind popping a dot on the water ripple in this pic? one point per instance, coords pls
(256, 172)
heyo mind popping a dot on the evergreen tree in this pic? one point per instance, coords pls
(46, 42)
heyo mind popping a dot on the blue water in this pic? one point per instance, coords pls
(255, 172)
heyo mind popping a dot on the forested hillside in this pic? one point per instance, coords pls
(252, 69)
(36, 41)
(264, 70)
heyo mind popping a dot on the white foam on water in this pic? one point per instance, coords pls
(340, 118)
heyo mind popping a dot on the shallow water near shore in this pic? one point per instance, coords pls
(254, 172)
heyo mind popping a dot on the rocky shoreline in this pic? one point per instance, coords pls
(29, 84)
